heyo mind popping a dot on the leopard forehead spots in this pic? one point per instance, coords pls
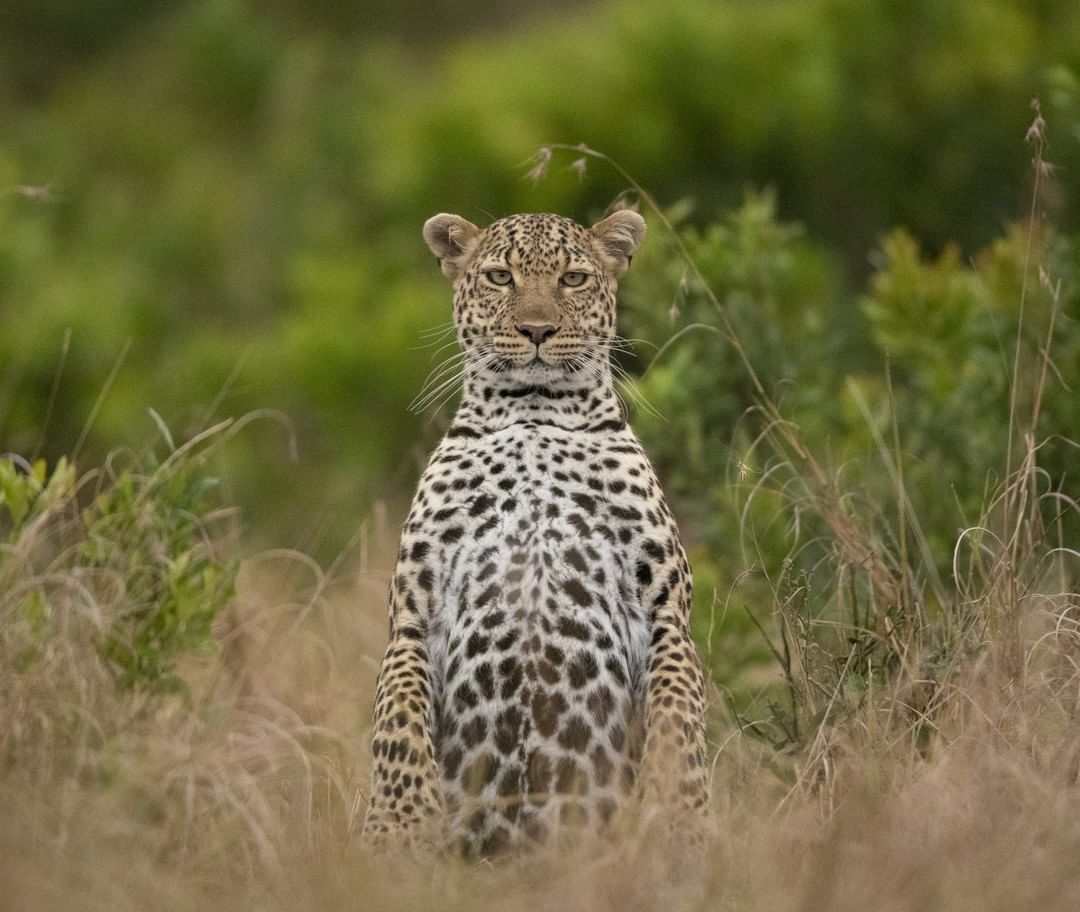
(540, 665)
(537, 245)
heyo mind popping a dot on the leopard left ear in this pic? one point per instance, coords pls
(452, 239)
(617, 237)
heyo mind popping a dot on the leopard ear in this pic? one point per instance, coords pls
(617, 237)
(451, 238)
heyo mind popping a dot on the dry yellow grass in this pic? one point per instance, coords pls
(247, 793)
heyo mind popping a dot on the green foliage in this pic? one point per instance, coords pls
(25, 495)
(143, 550)
(779, 291)
(145, 533)
(223, 201)
(237, 190)
(906, 410)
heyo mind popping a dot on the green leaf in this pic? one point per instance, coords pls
(163, 429)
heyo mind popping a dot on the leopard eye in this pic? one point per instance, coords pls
(499, 277)
(574, 279)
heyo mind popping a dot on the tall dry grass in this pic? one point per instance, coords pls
(246, 793)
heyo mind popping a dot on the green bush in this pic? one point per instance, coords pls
(232, 195)
(908, 423)
(142, 558)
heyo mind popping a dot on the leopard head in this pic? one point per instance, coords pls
(534, 295)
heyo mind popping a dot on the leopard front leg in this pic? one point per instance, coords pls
(673, 772)
(673, 769)
(406, 809)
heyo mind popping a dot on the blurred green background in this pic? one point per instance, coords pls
(223, 200)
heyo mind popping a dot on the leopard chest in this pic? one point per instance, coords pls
(536, 633)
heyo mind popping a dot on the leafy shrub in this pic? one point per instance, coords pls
(907, 425)
(246, 212)
(26, 493)
(141, 556)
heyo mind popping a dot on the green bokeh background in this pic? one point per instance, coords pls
(222, 200)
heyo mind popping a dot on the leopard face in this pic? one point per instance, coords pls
(534, 295)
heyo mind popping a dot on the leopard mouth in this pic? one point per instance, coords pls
(555, 362)
(538, 367)
(557, 353)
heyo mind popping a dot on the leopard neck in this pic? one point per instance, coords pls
(494, 403)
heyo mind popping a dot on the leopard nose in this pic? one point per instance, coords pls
(537, 333)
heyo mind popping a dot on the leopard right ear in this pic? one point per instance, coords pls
(617, 238)
(452, 239)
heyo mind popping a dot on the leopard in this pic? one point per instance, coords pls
(540, 673)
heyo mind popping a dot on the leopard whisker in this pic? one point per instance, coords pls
(448, 365)
(446, 375)
(629, 384)
(439, 329)
(445, 345)
(455, 364)
(472, 369)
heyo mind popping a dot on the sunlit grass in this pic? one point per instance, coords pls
(246, 790)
